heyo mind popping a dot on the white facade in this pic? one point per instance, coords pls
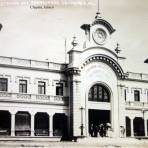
(95, 67)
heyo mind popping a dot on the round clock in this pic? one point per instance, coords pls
(99, 36)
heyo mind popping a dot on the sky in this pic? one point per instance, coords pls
(40, 33)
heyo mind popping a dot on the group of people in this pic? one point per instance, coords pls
(104, 130)
(99, 130)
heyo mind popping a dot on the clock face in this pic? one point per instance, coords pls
(99, 36)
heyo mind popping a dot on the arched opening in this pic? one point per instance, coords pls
(41, 124)
(5, 123)
(99, 118)
(99, 93)
(60, 124)
(22, 124)
(128, 126)
(138, 127)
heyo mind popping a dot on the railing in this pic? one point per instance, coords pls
(137, 76)
(137, 105)
(33, 98)
(31, 63)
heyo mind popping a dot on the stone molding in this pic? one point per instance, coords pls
(109, 61)
(73, 71)
(104, 23)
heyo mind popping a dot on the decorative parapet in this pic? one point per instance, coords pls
(73, 71)
(33, 98)
(137, 76)
(31, 64)
(136, 105)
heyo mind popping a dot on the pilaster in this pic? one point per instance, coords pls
(121, 107)
(75, 99)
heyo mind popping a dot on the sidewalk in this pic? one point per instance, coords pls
(82, 143)
(116, 142)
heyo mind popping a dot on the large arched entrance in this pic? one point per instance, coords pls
(99, 117)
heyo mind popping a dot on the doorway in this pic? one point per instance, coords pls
(99, 120)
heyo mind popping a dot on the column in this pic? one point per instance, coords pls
(32, 124)
(74, 81)
(51, 125)
(12, 124)
(121, 109)
(132, 128)
(145, 127)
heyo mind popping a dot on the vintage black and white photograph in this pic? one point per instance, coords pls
(74, 73)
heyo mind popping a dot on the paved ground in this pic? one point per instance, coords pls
(82, 143)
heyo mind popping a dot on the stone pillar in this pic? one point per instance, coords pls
(76, 109)
(121, 107)
(32, 124)
(12, 124)
(145, 127)
(51, 125)
(132, 127)
(75, 102)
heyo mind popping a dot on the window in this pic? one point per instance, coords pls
(125, 94)
(23, 86)
(59, 89)
(99, 93)
(3, 84)
(41, 87)
(136, 95)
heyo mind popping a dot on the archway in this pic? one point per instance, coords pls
(22, 124)
(60, 124)
(139, 126)
(41, 124)
(5, 123)
(99, 118)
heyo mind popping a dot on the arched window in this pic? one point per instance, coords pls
(99, 93)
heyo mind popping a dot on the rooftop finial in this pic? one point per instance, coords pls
(98, 11)
(74, 42)
(117, 49)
